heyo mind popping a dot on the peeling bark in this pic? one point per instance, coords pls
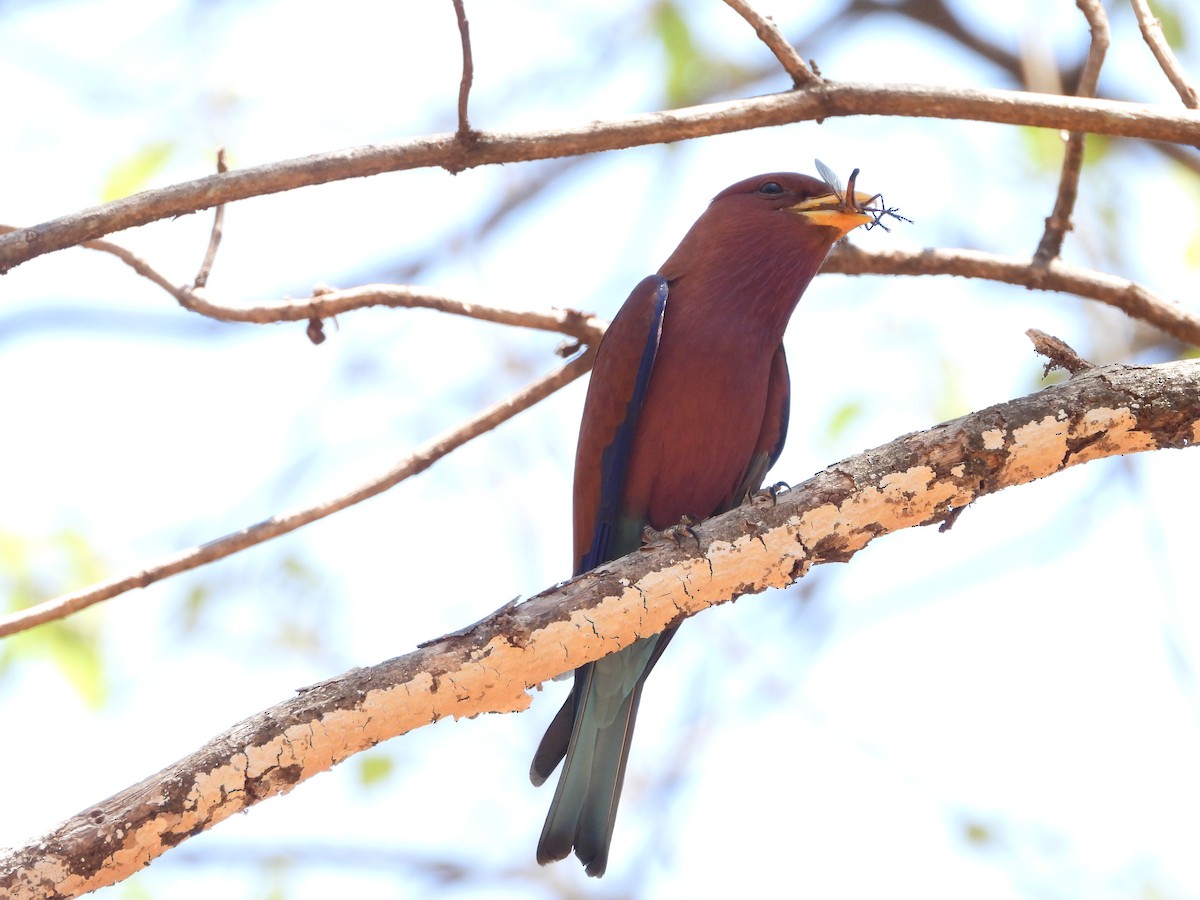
(918, 479)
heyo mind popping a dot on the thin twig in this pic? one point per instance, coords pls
(1152, 33)
(1059, 221)
(464, 133)
(446, 151)
(214, 240)
(768, 32)
(327, 303)
(275, 526)
(126, 256)
(1133, 299)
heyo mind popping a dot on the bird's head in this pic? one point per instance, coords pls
(776, 227)
(813, 200)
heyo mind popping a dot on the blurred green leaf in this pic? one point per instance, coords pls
(135, 889)
(194, 603)
(133, 174)
(298, 637)
(71, 645)
(1096, 148)
(1172, 25)
(978, 833)
(682, 54)
(275, 890)
(374, 768)
(85, 565)
(299, 571)
(1045, 148)
(845, 416)
(1183, 178)
(950, 401)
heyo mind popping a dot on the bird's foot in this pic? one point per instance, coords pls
(675, 533)
(772, 492)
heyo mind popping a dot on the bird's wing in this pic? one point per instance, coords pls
(614, 402)
(610, 414)
(773, 432)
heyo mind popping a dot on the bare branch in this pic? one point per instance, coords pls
(1059, 221)
(919, 479)
(1135, 300)
(329, 302)
(768, 32)
(417, 462)
(214, 240)
(1127, 296)
(464, 134)
(126, 256)
(827, 101)
(1153, 34)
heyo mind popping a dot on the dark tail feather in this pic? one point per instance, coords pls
(554, 743)
(592, 732)
(584, 809)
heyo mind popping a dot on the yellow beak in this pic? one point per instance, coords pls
(836, 210)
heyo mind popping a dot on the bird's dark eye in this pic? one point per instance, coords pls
(770, 187)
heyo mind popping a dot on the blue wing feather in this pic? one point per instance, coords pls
(614, 460)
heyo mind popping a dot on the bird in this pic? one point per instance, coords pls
(686, 410)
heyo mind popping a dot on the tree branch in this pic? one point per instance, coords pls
(1127, 296)
(823, 102)
(768, 32)
(490, 667)
(275, 526)
(847, 259)
(218, 228)
(1152, 33)
(1059, 221)
(464, 134)
(328, 302)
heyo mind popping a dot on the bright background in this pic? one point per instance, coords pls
(1007, 710)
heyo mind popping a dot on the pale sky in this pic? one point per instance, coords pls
(1028, 677)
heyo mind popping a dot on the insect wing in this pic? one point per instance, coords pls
(830, 178)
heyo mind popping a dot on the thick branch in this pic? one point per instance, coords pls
(491, 666)
(446, 151)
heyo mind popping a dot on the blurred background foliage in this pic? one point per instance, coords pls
(1005, 711)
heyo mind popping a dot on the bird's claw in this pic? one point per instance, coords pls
(674, 533)
(771, 492)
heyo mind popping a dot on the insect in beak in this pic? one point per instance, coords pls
(850, 203)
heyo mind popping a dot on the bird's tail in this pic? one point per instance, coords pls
(600, 713)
